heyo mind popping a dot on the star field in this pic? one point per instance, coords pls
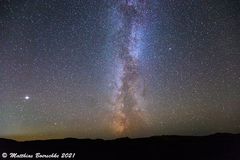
(87, 69)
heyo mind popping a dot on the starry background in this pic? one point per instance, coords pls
(57, 67)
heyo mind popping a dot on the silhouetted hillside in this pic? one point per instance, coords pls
(217, 146)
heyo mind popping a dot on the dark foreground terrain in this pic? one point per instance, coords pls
(213, 147)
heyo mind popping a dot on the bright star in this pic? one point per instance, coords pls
(26, 97)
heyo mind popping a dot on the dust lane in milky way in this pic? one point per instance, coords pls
(128, 115)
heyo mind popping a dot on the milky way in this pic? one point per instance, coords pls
(127, 106)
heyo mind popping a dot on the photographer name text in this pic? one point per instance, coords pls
(39, 155)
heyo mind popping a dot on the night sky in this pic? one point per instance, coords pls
(107, 69)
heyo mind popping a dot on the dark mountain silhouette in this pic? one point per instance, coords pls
(220, 146)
